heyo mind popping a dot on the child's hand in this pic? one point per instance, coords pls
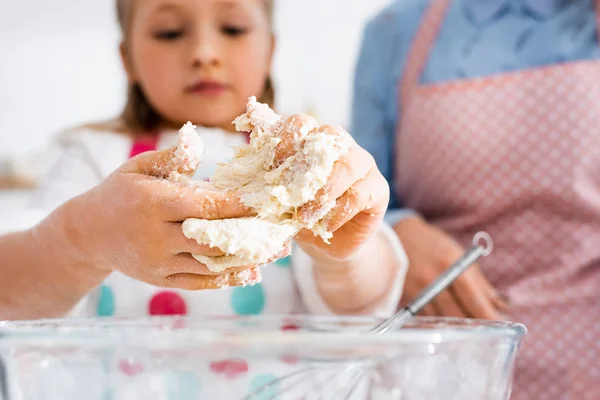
(132, 223)
(430, 252)
(360, 191)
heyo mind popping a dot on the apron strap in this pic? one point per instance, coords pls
(424, 40)
(143, 144)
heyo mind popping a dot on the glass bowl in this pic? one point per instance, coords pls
(233, 357)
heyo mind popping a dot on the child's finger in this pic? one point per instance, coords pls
(292, 129)
(184, 158)
(185, 263)
(286, 251)
(347, 171)
(177, 203)
(206, 282)
(162, 163)
(153, 163)
(358, 198)
(178, 243)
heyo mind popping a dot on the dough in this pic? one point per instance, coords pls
(274, 191)
(189, 149)
(244, 240)
(188, 154)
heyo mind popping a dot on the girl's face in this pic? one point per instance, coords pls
(199, 60)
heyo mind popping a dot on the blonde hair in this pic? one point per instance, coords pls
(138, 114)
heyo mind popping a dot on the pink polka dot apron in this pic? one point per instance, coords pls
(517, 155)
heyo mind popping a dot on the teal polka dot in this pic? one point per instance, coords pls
(106, 302)
(249, 300)
(257, 384)
(284, 262)
(183, 386)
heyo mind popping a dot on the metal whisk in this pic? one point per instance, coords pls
(482, 247)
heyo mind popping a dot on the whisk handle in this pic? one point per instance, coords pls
(443, 281)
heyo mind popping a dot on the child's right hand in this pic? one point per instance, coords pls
(132, 223)
(431, 251)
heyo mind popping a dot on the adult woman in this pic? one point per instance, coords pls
(483, 115)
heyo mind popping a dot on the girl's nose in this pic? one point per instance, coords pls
(205, 49)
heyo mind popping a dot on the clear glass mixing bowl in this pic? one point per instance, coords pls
(231, 357)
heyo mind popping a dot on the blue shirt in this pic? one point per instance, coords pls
(477, 38)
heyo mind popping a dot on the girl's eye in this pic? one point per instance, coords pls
(169, 34)
(230, 30)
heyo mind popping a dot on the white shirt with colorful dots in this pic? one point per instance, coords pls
(89, 156)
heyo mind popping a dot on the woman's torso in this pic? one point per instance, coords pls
(516, 152)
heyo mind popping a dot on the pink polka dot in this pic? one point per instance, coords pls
(143, 145)
(167, 303)
(288, 359)
(130, 368)
(290, 327)
(231, 369)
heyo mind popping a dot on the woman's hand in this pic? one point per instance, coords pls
(430, 252)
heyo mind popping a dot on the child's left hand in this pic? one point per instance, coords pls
(361, 193)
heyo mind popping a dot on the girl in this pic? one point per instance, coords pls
(484, 114)
(200, 60)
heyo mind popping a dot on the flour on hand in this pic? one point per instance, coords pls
(273, 188)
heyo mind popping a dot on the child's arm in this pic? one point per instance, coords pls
(127, 223)
(370, 282)
(352, 286)
(43, 274)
